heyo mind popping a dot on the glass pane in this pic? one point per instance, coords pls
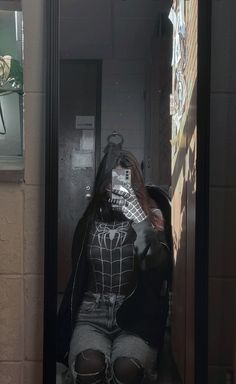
(11, 84)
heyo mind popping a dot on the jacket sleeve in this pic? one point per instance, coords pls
(64, 318)
(151, 248)
(76, 243)
(145, 311)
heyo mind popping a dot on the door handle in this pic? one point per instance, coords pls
(88, 194)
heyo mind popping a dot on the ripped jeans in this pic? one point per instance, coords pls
(97, 330)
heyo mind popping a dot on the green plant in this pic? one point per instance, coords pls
(11, 81)
(11, 75)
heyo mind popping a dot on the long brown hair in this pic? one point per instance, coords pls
(113, 157)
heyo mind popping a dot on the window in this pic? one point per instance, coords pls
(11, 89)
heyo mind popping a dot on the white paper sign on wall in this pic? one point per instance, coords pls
(81, 160)
(84, 122)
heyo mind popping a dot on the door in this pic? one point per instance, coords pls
(79, 145)
(184, 16)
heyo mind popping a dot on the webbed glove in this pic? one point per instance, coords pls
(129, 204)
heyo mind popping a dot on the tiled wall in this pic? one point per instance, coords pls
(22, 227)
(123, 103)
(222, 264)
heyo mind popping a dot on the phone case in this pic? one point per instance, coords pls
(120, 177)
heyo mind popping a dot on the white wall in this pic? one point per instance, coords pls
(123, 103)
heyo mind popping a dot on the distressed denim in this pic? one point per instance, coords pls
(96, 328)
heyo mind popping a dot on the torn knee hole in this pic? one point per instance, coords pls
(90, 362)
(127, 370)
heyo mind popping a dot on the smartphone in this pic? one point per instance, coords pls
(120, 177)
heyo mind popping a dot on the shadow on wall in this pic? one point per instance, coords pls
(183, 221)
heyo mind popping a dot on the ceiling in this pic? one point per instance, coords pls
(108, 29)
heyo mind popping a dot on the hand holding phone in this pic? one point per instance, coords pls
(124, 198)
(121, 177)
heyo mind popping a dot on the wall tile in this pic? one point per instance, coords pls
(34, 229)
(33, 373)
(122, 119)
(11, 233)
(11, 318)
(122, 101)
(34, 138)
(123, 82)
(33, 317)
(222, 239)
(123, 106)
(223, 46)
(115, 95)
(221, 321)
(222, 140)
(124, 66)
(140, 9)
(11, 373)
(34, 49)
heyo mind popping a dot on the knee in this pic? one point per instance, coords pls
(127, 371)
(90, 366)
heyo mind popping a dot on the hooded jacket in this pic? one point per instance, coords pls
(144, 311)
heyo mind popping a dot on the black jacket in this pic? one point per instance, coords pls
(143, 312)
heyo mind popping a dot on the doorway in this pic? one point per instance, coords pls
(79, 150)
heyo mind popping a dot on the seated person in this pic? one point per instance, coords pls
(110, 323)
